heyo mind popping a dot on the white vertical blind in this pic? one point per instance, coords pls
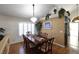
(33, 28)
(20, 28)
(29, 27)
(25, 27)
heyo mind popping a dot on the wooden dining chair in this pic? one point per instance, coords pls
(46, 46)
(28, 47)
(50, 44)
(43, 47)
(26, 44)
(24, 41)
(32, 49)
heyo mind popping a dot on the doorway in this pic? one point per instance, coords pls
(73, 41)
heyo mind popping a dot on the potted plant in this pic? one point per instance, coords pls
(1, 33)
(47, 17)
(55, 11)
(61, 12)
(2, 30)
(38, 26)
(68, 13)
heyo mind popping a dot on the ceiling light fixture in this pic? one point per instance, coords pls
(33, 19)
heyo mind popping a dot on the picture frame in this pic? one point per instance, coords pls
(47, 25)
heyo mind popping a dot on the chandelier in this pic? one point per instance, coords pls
(33, 19)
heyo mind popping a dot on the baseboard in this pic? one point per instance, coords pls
(53, 43)
(59, 45)
(15, 42)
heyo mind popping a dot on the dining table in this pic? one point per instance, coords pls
(37, 40)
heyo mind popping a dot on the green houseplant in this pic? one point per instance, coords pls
(1, 33)
(55, 11)
(38, 26)
(68, 13)
(61, 12)
(2, 30)
(47, 17)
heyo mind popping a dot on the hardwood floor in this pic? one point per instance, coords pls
(18, 49)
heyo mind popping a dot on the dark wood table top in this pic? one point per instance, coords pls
(37, 39)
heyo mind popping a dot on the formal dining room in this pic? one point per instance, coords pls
(39, 28)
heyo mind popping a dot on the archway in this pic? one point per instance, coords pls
(76, 19)
(74, 33)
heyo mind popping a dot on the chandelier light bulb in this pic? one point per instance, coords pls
(33, 19)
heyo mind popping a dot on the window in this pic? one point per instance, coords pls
(25, 27)
(20, 28)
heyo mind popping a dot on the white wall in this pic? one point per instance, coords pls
(75, 12)
(11, 24)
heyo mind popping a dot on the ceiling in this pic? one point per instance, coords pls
(26, 10)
